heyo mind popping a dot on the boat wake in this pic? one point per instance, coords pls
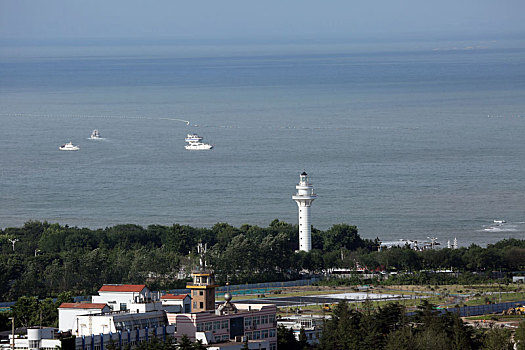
(187, 122)
(500, 227)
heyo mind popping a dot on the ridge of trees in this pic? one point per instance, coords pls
(50, 258)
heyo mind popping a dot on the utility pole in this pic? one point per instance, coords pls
(12, 332)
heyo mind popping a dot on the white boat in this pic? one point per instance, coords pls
(198, 146)
(193, 138)
(69, 147)
(195, 144)
(499, 222)
(95, 135)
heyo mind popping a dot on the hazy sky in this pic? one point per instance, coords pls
(230, 19)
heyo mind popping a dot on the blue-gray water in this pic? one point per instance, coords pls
(401, 144)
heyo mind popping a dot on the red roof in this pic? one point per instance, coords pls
(122, 288)
(172, 296)
(97, 306)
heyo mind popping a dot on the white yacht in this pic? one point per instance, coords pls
(69, 147)
(500, 222)
(198, 146)
(193, 138)
(95, 135)
(195, 144)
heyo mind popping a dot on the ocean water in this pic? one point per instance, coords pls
(402, 143)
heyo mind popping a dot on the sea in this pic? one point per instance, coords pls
(404, 140)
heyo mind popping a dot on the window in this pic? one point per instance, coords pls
(273, 346)
(194, 304)
(264, 334)
(216, 325)
(256, 335)
(201, 292)
(256, 321)
(201, 305)
(200, 327)
(264, 319)
(247, 321)
(248, 335)
(123, 306)
(208, 326)
(224, 324)
(271, 318)
(272, 333)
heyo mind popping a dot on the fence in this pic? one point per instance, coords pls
(257, 286)
(478, 310)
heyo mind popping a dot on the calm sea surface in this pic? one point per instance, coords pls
(402, 144)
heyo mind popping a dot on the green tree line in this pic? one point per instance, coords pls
(50, 258)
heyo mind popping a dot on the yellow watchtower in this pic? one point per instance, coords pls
(202, 291)
(202, 288)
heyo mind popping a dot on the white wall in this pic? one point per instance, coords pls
(67, 316)
(114, 299)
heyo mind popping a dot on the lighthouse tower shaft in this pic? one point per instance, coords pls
(304, 198)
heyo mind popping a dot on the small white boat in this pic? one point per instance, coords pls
(193, 138)
(69, 147)
(95, 135)
(195, 144)
(198, 146)
(499, 222)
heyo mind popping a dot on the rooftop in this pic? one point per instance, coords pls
(173, 296)
(122, 288)
(97, 306)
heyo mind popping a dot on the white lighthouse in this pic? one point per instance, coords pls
(304, 198)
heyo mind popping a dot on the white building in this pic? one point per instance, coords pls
(312, 326)
(128, 297)
(48, 339)
(176, 303)
(304, 197)
(113, 322)
(67, 313)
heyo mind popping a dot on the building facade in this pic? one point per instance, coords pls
(248, 322)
